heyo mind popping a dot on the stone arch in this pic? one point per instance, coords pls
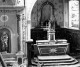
(58, 12)
(29, 4)
(42, 6)
(7, 27)
(34, 20)
(37, 11)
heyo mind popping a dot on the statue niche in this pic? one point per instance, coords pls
(46, 14)
(4, 40)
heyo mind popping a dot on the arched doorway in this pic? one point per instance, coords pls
(5, 40)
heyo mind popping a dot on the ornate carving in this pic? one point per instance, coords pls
(24, 27)
(10, 10)
(18, 17)
(53, 50)
(4, 40)
(4, 18)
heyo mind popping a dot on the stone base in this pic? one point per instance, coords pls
(56, 61)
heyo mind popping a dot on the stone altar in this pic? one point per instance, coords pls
(53, 52)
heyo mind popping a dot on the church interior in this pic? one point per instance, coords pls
(39, 33)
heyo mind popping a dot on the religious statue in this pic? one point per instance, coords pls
(52, 23)
(4, 40)
(51, 28)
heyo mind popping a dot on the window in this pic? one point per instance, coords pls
(74, 14)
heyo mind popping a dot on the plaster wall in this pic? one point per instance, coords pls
(58, 12)
(11, 24)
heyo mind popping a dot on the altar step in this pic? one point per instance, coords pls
(9, 59)
(9, 56)
(57, 61)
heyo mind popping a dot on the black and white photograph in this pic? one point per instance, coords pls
(39, 33)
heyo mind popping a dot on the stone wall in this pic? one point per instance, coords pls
(11, 24)
(58, 12)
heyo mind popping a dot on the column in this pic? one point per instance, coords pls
(29, 5)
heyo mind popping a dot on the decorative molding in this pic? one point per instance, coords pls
(11, 9)
(24, 25)
(18, 17)
(53, 50)
(7, 27)
(4, 18)
(12, 2)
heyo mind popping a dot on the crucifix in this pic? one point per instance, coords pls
(51, 30)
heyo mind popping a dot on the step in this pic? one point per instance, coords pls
(9, 58)
(62, 63)
(8, 55)
(56, 60)
(70, 62)
(57, 57)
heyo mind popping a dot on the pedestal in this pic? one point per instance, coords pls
(20, 57)
(29, 51)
